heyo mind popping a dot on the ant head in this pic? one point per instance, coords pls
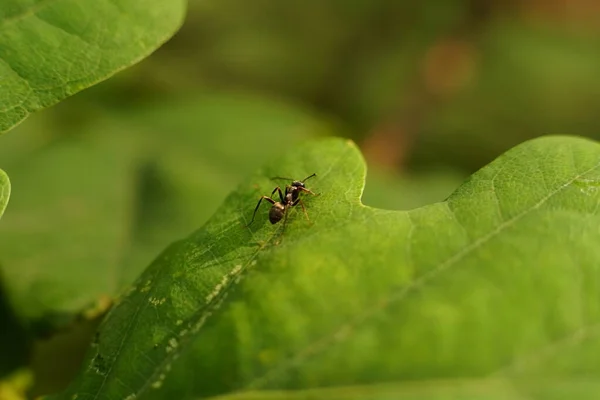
(298, 183)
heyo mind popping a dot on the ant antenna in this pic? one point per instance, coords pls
(292, 179)
(308, 177)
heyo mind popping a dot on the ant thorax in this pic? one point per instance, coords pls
(290, 196)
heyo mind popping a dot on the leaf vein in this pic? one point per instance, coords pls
(126, 335)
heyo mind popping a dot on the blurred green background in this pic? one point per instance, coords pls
(431, 91)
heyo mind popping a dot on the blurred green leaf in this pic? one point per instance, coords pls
(14, 340)
(97, 203)
(63, 237)
(4, 191)
(498, 281)
(52, 49)
(458, 389)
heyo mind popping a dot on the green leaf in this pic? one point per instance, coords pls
(137, 187)
(457, 389)
(50, 50)
(69, 215)
(499, 281)
(4, 191)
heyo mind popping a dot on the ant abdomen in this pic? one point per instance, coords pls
(276, 213)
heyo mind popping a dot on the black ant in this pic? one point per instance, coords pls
(287, 201)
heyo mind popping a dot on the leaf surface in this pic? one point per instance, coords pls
(51, 49)
(497, 282)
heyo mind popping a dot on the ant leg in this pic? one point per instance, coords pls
(304, 209)
(309, 191)
(278, 190)
(285, 218)
(270, 200)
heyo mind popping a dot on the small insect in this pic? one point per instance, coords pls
(287, 201)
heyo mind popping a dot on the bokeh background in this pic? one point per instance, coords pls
(431, 91)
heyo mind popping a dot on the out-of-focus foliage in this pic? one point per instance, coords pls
(15, 386)
(450, 83)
